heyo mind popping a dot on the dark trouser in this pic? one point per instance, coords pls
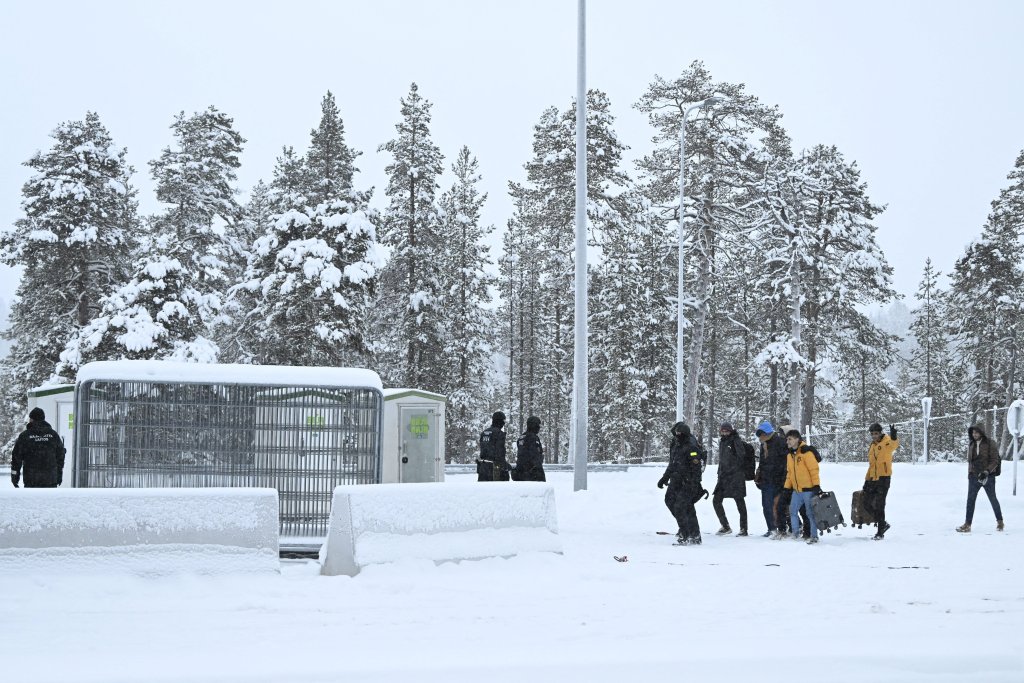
(768, 496)
(876, 492)
(741, 505)
(782, 518)
(972, 495)
(680, 503)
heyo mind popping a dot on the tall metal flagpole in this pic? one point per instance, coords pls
(580, 403)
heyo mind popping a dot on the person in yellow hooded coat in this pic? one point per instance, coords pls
(802, 478)
(876, 482)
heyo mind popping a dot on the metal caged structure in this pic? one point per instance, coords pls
(302, 431)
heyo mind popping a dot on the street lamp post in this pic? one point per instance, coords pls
(680, 379)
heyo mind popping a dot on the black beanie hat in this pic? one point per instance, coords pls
(498, 417)
(533, 424)
(727, 426)
(37, 414)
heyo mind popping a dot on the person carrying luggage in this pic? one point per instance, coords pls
(803, 480)
(876, 482)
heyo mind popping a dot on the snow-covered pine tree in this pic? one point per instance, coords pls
(986, 301)
(839, 265)
(867, 351)
(545, 206)
(407, 316)
(464, 285)
(724, 164)
(174, 298)
(632, 336)
(932, 369)
(74, 243)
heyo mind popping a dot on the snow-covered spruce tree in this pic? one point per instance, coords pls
(312, 269)
(724, 163)
(408, 316)
(330, 163)
(545, 205)
(986, 300)
(464, 287)
(74, 242)
(175, 296)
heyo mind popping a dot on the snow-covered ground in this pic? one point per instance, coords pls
(926, 604)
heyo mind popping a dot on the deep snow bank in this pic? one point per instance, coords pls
(208, 530)
(392, 522)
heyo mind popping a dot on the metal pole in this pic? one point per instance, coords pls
(1016, 457)
(680, 320)
(580, 403)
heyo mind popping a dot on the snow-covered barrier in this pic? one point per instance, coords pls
(439, 522)
(138, 531)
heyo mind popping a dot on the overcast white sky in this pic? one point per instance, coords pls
(925, 96)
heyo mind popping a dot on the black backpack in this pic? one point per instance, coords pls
(749, 461)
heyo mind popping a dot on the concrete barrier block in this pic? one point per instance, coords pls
(440, 522)
(149, 531)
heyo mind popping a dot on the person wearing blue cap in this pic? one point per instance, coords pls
(771, 474)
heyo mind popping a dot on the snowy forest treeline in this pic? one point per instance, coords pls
(781, 263)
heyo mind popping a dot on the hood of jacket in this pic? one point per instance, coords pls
(980, 428)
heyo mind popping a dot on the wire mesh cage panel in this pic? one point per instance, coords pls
(301, 440)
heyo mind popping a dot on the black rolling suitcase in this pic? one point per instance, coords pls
(827, 514)
(859, 513)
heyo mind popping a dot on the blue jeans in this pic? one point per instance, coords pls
(972, 495)
(802, 498)
(768, 494)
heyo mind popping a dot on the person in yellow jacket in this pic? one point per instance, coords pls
(876, 483)
(802, 478)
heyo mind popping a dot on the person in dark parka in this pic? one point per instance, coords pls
(38, 454)
(771, 474)
(682, 476)
(732, 480)
(983, 467)
(493, 463)
(529, 453)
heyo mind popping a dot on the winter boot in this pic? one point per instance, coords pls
(812, 540)
(724, 531)
(694, 540)
(779, 535)
(964, 528)
(881, 532)
(768, 534)
(743, 532)
(999, 525)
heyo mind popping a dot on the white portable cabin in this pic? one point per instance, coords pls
(412, 439)
(57, 401)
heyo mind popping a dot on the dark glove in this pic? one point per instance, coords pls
(662, 482)
(982, 478)
(15, 478)
(816, 490)
(892, 432)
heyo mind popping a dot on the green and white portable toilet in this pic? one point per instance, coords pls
(58, 403)
(412, 443)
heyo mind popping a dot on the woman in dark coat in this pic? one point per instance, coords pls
(982, 468)
(732, 480)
